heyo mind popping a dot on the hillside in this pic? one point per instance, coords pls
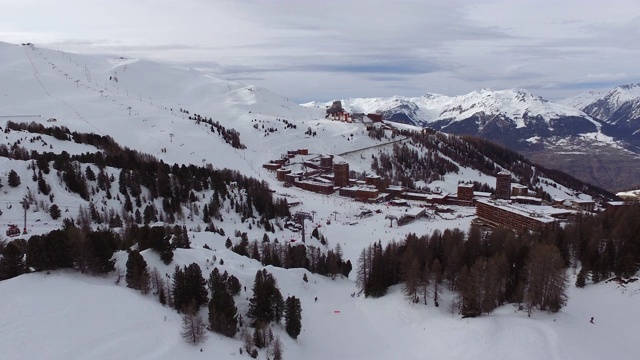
(618, 109)
(555, 135)
(512, 117)
(103, 321)
(165, 143)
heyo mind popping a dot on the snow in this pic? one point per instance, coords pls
(67, 315)
(616, 96)
(608, 102)
(70, 316)
(516, 104)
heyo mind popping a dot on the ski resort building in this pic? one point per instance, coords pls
(519, 217)
(465, 192)
(411, 215)
(519, 190)
(363, 193)
(503, 185)
(341, 174)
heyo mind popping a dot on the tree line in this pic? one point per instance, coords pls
(487, 269)
(290, 256)
(484, 269)
(428, 155)
(91, 252)
(177, 185)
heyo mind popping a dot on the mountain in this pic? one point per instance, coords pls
(618, 109)
(515, 118)
(131, 144)
(555, 135)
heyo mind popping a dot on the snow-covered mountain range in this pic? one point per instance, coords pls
(146, 106)
(515, 118)
(558, 135)
(618, 109)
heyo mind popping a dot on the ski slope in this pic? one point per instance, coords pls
(66, 315)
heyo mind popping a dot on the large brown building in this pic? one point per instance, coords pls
(503, 185)
(517, 217)
(341, 174)
(282, 173)
(465, 192)
(359, 192)
(326, 161)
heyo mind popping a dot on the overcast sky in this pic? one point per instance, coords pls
(326, 49)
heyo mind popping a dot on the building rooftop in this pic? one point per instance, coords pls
(427, 196)
(527, 198)
(580, 201)
(414, 211)
(541, 213)
(361, 188)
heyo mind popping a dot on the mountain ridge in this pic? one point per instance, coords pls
(555, 134)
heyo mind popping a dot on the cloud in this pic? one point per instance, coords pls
(372, 47)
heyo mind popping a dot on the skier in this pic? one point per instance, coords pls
(591, 321)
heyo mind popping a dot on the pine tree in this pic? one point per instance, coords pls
(223, 312)
(189, 288)
(50, 251)
(258, 336)
(222, 309)
(99, 249)
(54, 211)
(14, 179)
(91, 176)
(411, 273)
(581, 279)
(277, 351)
(547, 280)
(11, 263)
(137, 276)
(43, 187)
(205, 214)
(436, 269)
(293, 316)
(266, 304)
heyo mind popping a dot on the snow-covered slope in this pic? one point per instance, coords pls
(516, 109)
(619, 108)
(65, 315)
(556, 135)
(69, 316)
